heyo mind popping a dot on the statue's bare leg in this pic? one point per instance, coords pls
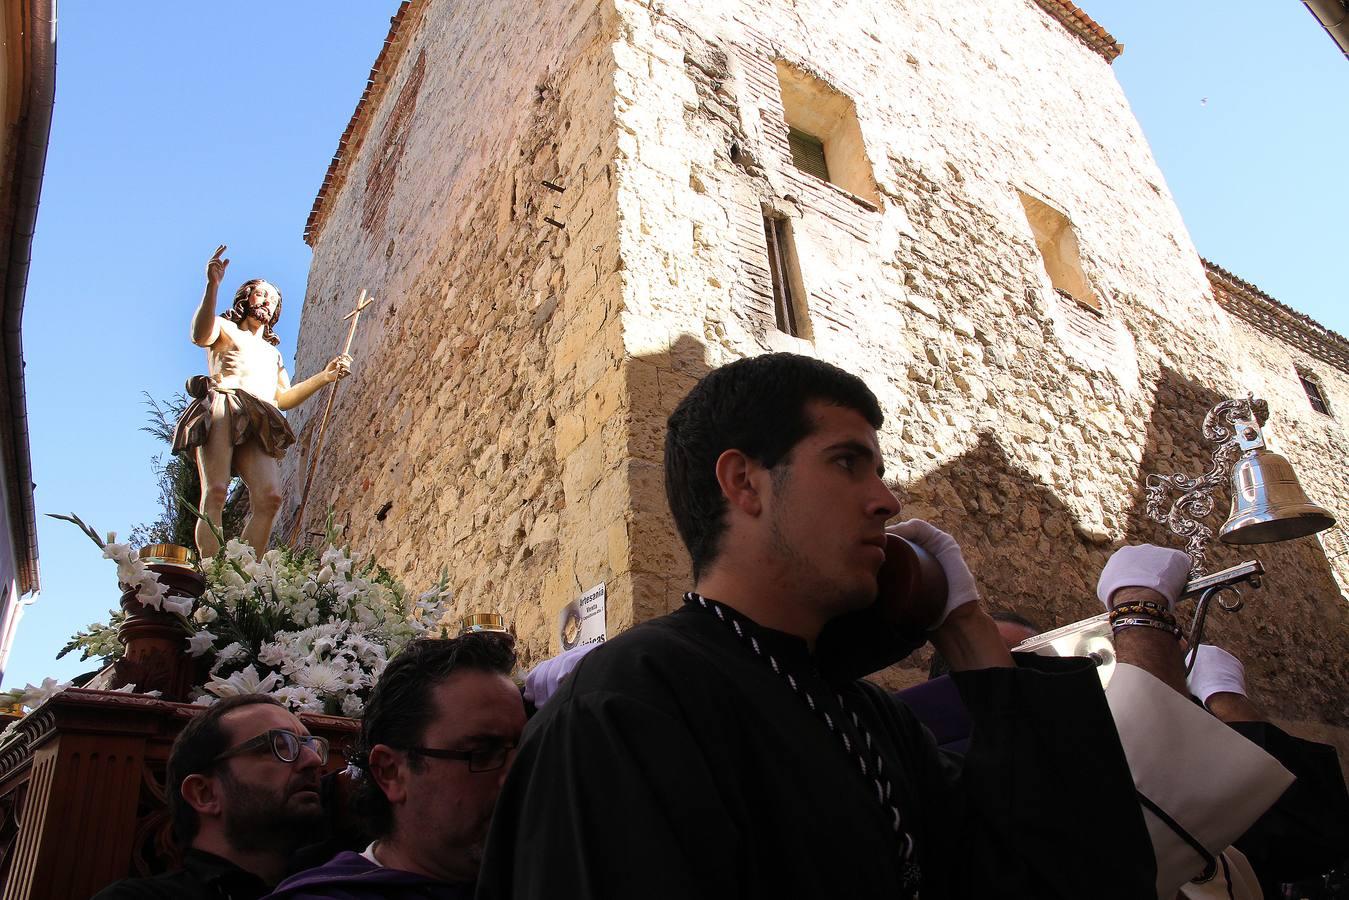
(262, 474)
(214, 459)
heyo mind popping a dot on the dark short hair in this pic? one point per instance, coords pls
(239, 311)
(756, 406)
(400, 705)
(194, 752)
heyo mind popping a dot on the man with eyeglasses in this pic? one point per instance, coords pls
(243, 795)
(437, 739)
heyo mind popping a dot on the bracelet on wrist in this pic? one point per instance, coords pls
(1117, 625)
(1151, 611)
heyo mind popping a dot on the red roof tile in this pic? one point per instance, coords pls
(1084, 27)
(394, 44)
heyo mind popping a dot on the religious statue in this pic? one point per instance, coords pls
(234, 419)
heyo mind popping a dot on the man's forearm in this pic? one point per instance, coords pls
(1150, 649)
(969, 639)
(203, 323)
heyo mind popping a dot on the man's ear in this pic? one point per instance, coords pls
(740, 478)
(389, 769)
(202, 793)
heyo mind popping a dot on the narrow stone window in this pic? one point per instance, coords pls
(807, 153)
(1317, 399)
(788, 308)
(1057, 243)
(823, 136)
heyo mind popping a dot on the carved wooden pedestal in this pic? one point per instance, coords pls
(82, 791)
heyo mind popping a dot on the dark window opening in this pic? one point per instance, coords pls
(808, 153)
(781, 265)
(1314, 395)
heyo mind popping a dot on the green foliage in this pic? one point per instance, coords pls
(98, 640)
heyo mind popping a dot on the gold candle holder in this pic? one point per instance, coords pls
(479, 622)
(168, 555)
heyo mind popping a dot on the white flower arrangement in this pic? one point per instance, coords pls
(313, 629)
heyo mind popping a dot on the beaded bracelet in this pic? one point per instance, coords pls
(1146, 622)
(1135, 609)
(1150, 606)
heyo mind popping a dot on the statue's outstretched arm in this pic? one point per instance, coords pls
(205, 324)
(288, 397)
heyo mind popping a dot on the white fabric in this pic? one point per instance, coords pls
(1216, 672)
(960, 586)
(1208, 778)
(1235, 880)
(544, 678)
(1163, 570)
(369, 853)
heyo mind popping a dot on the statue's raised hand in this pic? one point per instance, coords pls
(215, 266)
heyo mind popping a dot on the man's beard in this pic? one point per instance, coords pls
(261, 313)
(258, 819)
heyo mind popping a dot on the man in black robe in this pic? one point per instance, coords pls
(718, 751)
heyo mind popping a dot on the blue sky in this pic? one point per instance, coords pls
(176, 131)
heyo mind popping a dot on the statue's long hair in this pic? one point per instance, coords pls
(239, 312)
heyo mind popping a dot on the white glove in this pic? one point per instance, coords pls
(1215, 672)
(543, 679)
(960, 586)
(1146, 566)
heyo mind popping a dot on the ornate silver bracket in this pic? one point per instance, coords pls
(1234, 425)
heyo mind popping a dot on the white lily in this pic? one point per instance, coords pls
(245, 681)
(200, 642)
(180, 605)
(35, 695)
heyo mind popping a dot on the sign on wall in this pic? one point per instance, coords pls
(582, 621)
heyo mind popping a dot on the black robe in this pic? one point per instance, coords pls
(675, 763)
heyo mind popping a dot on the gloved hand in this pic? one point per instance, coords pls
(1216, 671)
(543, 679)
(1163, 570)
(960, 587)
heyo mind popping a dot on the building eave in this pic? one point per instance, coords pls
(1250, 304)
(1083, 27)
(400, 26)
(31, 130)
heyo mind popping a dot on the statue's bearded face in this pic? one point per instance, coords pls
(262, 302)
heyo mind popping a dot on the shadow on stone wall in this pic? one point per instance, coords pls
(1293, 635)
(1022, 542)
(661, 569)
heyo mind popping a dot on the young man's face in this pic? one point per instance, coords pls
(267, 802)
(449, 806)
(828, 508)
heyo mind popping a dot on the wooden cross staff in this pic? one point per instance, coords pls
(354, 316)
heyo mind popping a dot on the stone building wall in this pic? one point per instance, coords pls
(479, 430)
(512, 411)
(1017, 418)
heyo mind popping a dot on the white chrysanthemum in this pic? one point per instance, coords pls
(352, 706)
(299, 698)
(323, 677)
